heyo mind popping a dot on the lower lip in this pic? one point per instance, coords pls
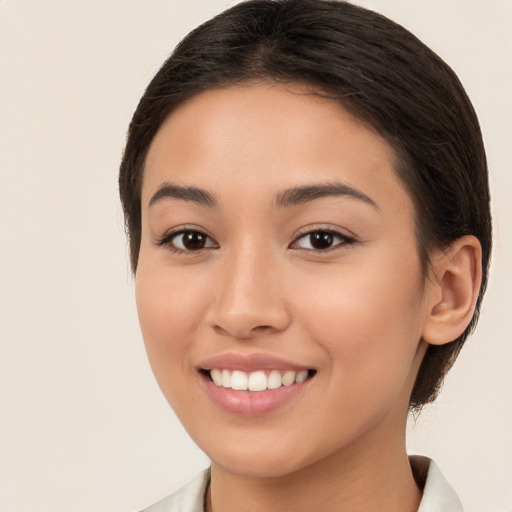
(251, 403)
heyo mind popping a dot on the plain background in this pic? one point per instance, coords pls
(83, 426)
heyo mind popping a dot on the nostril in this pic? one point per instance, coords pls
(260, 328)
(242, 332)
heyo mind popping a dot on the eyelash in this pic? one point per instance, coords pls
(344, 240)
(168, 239)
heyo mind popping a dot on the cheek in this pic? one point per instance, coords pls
(367, 323)
(170, 309)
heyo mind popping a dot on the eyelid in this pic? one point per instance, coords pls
(166, 239)
(337, 232)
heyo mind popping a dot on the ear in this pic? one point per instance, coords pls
(453, 288)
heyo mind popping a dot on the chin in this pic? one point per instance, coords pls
(259, 467)
(259, 460)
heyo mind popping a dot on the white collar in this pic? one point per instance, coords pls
(438, 495)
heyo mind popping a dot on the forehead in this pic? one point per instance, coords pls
(268, 137)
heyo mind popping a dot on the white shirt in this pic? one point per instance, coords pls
(438, 495)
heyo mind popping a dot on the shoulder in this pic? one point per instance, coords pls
(438, 494)
(189, 498)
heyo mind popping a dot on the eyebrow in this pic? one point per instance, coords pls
(196, 195)
(300, 195)
(290, 197)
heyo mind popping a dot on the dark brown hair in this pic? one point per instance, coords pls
(377, 70)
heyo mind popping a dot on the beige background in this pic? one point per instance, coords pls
(83, 426)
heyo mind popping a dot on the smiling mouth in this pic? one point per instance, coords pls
(260, 380)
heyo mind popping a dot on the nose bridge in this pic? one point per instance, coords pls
(249, 299)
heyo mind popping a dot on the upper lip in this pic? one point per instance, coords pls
(249, 363)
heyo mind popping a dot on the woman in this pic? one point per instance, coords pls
(305, 192)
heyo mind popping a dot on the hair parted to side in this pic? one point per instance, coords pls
(377, 70)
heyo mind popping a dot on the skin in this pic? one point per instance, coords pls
(355, 313)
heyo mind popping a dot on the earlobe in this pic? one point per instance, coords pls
(456, 276)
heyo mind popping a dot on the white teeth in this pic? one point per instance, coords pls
(256, 381)
(239, 380)
(301, 376)
(274, 380)
(226, 378)
(288, 378)
(216, 376)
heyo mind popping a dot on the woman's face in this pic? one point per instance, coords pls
(278, 245)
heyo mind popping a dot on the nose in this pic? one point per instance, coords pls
(250, 298)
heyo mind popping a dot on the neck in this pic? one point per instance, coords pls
(354, 480)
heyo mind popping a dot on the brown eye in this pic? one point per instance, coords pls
(193, 240)
(322, 240)
(190, 241)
